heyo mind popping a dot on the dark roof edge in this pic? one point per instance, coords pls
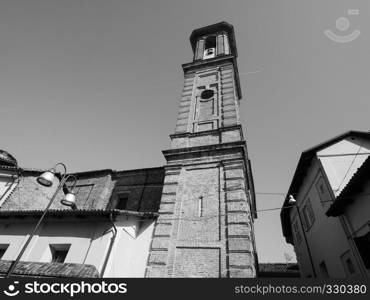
(81, 173)
(138, 170)
(78, 212)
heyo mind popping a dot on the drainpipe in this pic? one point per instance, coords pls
(113, 238)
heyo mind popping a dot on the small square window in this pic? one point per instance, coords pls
(122, 201)
(348, 265)
(59, 252)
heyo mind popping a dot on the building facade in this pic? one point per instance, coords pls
(329, 224)
(192, 217)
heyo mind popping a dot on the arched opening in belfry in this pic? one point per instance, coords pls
(210, 47)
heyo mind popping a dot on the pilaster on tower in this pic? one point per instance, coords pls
(205, 226)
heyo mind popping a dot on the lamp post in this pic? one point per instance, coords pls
(293, 202)
(46, 179)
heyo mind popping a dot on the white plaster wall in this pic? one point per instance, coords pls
(131, 249)
(89, 242)
(79, 234)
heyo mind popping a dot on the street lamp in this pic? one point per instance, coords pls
(293, 202)
(47, 179)
(70, 198)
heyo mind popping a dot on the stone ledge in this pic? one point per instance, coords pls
(242, 273)
(235, 244)
(156, 271)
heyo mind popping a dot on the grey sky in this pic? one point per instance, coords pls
(96, 84)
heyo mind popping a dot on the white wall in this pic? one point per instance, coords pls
(131, 249)
(89, 240)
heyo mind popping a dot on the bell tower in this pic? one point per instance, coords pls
(205, 223)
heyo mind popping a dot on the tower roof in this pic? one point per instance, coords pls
(218, 27)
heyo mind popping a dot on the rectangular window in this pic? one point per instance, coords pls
(324, 270)
(297, 233)
(59, 252)
(348, 265)
(363, 246)
(308, 215)
(323, 191)
(122, 201)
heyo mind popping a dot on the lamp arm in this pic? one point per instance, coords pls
(74, 181)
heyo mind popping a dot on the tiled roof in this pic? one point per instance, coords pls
(278, 270)
(353, 187)
(278, 267)
(59, 270)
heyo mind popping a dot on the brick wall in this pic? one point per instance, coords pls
(208, 237)
(142, 187)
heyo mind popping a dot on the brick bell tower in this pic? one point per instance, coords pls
(205, 226)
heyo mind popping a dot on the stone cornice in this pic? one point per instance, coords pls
(208, 132)
(199, 150)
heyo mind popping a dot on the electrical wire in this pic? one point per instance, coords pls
(218, 194)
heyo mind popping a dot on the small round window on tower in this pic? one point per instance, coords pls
(207, 94)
